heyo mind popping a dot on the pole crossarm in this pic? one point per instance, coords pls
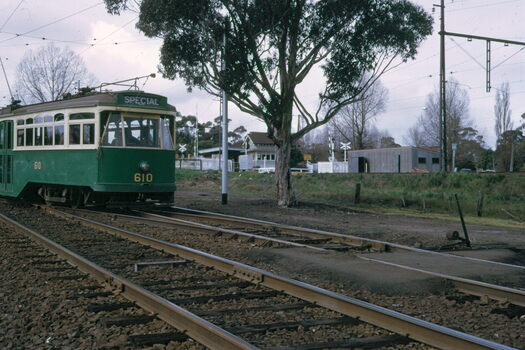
(477, 37)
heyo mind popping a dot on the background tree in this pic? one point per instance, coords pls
(273, 45)
(50, 73)
(354, 121)
(209, 134)
(510, 150)
(502, 111)
(460, 128)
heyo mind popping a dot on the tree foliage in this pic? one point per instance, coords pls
(273, 45)
(50, 73)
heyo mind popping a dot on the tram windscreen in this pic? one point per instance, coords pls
(137, 131)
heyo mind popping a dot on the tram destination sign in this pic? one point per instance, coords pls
(142, 100)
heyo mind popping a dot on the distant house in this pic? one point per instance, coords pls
(234, 151)
(394, 160)
(259, 152)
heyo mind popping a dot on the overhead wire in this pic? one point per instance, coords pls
(485, 5)
(11, 15)
(54, 22)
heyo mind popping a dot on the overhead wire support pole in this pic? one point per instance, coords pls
(442, 93)
(443, 82)
(224, 182)
(488, 66)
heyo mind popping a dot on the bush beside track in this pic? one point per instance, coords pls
(504, 193)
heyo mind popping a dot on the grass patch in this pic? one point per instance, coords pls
(504, 194)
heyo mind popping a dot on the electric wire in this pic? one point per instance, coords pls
(485, 5)
(54, 22)
(11, 15)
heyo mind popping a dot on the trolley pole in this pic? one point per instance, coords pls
(224, 183)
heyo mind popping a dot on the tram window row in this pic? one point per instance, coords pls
(81, 130)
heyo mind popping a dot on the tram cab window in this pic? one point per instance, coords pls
(88, 134)
(113, 131)
(74, 134)
(59, 134)
(167, 142)
(141, 132)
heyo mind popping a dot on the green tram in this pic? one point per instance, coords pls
(101, 148)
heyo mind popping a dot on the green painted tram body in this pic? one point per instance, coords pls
(64, 146)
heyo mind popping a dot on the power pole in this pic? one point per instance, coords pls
(224, 182)
(442, 93)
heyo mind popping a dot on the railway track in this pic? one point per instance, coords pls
(277, 234)
(216, 301)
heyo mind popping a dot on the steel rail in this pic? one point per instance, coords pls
(159, 219)
(411, 327)
(361, 240)
(195, 327)
(468, 286)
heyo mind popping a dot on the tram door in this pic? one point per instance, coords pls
(6, 156)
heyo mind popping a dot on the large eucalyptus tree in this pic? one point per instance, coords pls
(273, 45)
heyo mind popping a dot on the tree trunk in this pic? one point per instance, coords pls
(285, 194)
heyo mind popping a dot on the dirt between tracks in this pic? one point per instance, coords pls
(358, 273)
(409, 230)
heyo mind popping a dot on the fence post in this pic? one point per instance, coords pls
(480, 204)
(357, 197)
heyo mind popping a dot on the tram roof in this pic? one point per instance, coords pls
(133, 99)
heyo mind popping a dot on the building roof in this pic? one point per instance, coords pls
(260, 138)
(431, 149)
(219, 149)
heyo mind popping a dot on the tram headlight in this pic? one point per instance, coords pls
(144, 166)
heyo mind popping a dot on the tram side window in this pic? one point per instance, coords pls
(20, 137)
(74, 134)
(77, 116)
(88, 134)
(29, 137)
(48, 136)
(59, 134)
(38, 137)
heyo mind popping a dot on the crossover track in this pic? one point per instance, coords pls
(355, 241)
(413, 328)
(467, 286)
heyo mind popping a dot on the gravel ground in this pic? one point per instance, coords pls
(89, 334)
(39, 311)
(448, 308)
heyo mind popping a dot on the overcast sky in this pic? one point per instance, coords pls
(114, 50)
